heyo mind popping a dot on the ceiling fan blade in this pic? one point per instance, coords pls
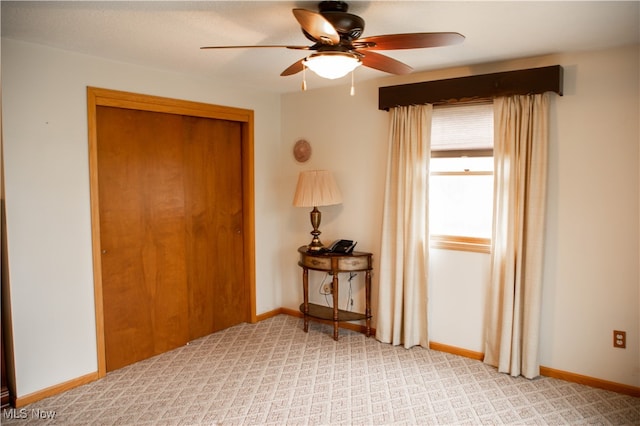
(293, 68)
(317, 26)
(409, 41)
(384, 63)
(258, 46)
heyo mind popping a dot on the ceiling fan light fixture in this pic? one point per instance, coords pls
(332, 65)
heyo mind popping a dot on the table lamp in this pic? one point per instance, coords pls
(316, 188)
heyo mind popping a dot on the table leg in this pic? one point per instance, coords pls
(335, 305)
(305, 290)
(367, 292)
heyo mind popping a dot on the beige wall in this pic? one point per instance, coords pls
(591, 277)
(47, 192)
(591, 266)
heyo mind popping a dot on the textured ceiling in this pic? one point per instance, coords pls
(167, 34)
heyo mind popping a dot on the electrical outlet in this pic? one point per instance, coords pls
(327, 288)
(619, 339)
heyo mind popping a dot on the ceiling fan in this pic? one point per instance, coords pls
(338, 48)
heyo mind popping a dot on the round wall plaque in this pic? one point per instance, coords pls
(302, 150)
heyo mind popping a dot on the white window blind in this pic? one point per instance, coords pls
(466, 127)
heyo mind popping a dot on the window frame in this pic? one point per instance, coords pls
(459, 242)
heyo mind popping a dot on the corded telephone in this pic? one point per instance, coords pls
(341, 246)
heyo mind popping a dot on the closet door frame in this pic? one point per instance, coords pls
(113, 98)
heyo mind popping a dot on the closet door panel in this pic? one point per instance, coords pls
(214, 224)
(144, 273)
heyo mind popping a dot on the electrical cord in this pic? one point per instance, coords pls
(326, 295)
(350, 298)
(321, 286)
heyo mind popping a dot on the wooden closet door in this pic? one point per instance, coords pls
(213, 198)
(170, 193)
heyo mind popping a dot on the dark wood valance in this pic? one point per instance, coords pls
(477, 87)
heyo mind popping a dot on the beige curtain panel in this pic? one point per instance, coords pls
(402, 305)
(520, 176)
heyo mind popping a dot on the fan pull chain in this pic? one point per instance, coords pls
(353, 89)
(304, 78)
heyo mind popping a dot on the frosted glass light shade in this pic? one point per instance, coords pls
(316, 188)
(332, 65)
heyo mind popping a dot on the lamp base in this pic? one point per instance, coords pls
(316, 244)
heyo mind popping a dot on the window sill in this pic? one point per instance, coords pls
(450, 242)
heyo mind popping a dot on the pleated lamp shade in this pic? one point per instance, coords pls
(316, 188)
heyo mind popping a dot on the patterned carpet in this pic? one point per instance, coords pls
(274, 373)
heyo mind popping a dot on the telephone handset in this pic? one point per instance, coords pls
(341, 246)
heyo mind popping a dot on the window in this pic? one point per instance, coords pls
(461, 181)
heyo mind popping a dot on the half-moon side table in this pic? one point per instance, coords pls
(334, 263)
